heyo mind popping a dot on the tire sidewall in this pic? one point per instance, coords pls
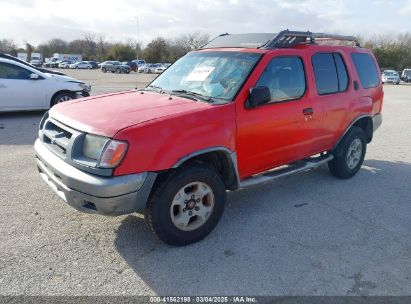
(160, 211)
(353, 134)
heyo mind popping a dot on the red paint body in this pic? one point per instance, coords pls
(160, 131)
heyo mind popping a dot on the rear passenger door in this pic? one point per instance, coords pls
(334, 95)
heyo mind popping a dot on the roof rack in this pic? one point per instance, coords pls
(284, 39)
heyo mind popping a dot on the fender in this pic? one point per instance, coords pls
(231, 156)
(349, 127)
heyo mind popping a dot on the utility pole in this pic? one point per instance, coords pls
(137, 49)
(138, 36)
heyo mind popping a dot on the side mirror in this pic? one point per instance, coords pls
(34, 76)
(258, 96)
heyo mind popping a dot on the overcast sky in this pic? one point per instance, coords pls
(36, 21)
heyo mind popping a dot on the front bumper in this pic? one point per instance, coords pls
(90, 193)
(376, 121)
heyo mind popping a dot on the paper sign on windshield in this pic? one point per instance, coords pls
(200, 73)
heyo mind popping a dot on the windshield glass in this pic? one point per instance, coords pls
(210, 74)
(390, 73)
(407, 72)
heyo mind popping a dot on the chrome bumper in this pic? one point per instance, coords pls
(91, 193)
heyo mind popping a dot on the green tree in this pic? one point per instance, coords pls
(156, 50)
(122, 52)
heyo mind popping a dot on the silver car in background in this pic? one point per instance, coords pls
(390, 76)
(115, 67)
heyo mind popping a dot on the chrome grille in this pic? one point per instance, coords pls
(57, 137)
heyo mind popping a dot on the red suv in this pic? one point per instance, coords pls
(242, 110)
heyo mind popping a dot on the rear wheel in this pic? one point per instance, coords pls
(118, 71)
(349, 154)
(104, 70)
(187, 205)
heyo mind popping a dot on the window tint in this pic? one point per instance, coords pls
(10, 71)
(366, 69)
(285, 78)
(341, 72)
(325, 73)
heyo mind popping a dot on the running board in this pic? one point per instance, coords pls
(300, 166)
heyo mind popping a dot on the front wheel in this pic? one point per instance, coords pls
(61, 97)
(118, 71)
(349, 154)
(104, 70)
(187, 205)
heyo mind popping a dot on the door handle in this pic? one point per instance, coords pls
(308, 111)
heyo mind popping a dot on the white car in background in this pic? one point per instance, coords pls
(81, 65)
(160, 69)
(142, 68)
(23, 87)
(390, 76)
(64, 64)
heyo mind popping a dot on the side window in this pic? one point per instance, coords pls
(10, 71)
(330, 73)
(285, 78)
(341, 72)
(325, 73)
(366, 69)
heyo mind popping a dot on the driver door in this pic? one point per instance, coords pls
(280, 131)
(18, 91)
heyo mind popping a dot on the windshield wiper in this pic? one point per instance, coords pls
(197, 96)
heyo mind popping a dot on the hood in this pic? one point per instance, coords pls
(62, 78)
(107, 114)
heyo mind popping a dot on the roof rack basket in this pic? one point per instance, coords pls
(287, 39)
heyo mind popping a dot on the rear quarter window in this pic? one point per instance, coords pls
(366, 70)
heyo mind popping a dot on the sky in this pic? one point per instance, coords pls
(36, 21)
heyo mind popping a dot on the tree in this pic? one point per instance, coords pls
(156, 50)
(8, 46)
(193, 40)
(122, 52)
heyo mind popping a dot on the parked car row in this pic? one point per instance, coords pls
(394, 77)
(67, 64)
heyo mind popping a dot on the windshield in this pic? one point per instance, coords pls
(390, 73)
(210, 74)
(407, 72)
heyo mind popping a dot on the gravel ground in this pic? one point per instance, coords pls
(307, 234)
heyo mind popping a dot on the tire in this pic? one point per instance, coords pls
(118, 71)
(349, 154)
(88, 68)
(149, 71)
(77, 67)
(165, 214)
(61, 97)
(127, 71)
(104, 70)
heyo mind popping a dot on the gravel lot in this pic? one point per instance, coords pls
(307, 234)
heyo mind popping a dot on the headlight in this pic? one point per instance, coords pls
(93, 146)
(85, 87)
(107, 152)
